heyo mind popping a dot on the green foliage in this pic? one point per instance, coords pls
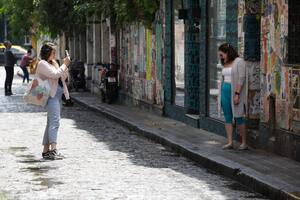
(127, 11)
(58, 16)
(21, 16)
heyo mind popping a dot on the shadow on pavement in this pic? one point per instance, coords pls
(142, 151)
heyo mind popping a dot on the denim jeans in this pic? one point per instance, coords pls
(53, 117)
(26, 74)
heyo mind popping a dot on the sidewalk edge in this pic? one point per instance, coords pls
(223, 168)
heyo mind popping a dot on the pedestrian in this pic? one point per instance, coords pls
(9, 62)
(233, 93)
(26, 59)
(49, 69)
(33, 54)
(66, 99)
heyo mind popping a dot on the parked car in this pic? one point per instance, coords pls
(18, 51)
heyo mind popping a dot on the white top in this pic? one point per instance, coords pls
(53, 72)
(33, 54)
(239, 77)
(226, 72)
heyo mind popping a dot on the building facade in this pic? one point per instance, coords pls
(172, 67)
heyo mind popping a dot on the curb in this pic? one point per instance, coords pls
(270, 188)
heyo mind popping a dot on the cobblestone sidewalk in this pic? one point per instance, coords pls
(104, 160)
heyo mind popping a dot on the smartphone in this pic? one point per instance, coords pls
(67, 54)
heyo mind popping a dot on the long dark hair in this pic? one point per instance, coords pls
(46, 51)
(7, 43)
(230, 51)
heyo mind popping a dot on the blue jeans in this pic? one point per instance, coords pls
(53, 116)
(26, 74)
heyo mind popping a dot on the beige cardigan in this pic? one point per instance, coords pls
(53, 72)
(239, 76)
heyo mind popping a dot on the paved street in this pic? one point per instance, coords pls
(103, 160)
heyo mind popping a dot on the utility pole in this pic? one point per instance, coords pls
(5, 27)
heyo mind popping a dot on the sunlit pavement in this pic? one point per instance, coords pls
(103, 160)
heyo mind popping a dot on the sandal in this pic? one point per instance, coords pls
(227, 146)
(243, 147)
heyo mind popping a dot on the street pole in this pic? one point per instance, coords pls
(5, 27)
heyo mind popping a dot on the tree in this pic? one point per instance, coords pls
(21, 16)
(58, 16)
(128, 11)
(66, 16)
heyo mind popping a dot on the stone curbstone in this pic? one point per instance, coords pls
(216, 164)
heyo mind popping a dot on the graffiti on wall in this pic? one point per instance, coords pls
(141, 53)
(241, 34)
(159, 51)
(274, 31)
(253, 104)
(253, 75)
(264, 103)
(248, 47)
(295, 93)
(253, 69)
(153, 67)
(252, 7)
(148, 54)
(139, 76)
(287, 106)
(282, 99)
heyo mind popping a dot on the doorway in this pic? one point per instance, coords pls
(179, 49)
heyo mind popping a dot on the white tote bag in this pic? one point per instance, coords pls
(37, 92)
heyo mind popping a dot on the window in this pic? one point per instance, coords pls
(27, 40)
(179, 40)
(294, 32)
(217, 36)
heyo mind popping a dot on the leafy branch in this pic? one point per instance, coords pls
(65, 16)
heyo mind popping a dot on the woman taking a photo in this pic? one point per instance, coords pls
(49, 69)
(233, 95)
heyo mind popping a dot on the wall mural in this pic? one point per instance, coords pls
(254, 89)
(294, 75)
(282, 106)
(159, 51)
(148, 53)
(249, 49)
(274, 31)
(241, 33)
(139, 77)
(264, 102)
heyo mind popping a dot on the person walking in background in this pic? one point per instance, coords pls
(34, 61)
(49, 69)
(233, 93)
(24, 64)
(9, 63)
(33, 54)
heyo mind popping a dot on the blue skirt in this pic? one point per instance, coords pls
(226, 105)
